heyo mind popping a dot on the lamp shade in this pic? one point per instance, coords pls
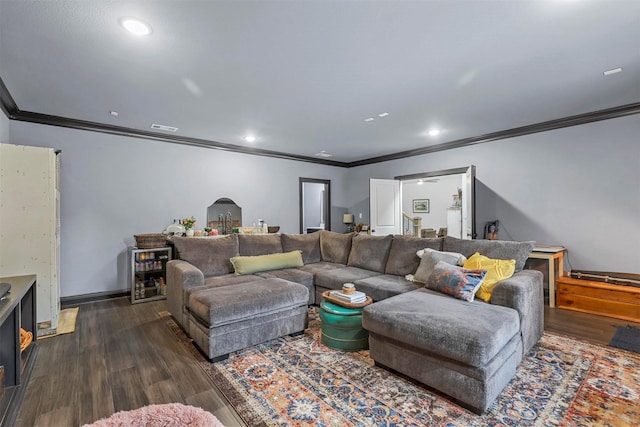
(347, 218)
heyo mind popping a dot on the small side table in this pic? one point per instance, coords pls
(341, 327)
(555, 269)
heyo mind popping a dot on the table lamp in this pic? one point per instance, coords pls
(348, 220)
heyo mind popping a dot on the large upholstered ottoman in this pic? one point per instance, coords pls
(468, 350)
(229, 318)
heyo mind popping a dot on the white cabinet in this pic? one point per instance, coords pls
(30, 224)
(454, 222)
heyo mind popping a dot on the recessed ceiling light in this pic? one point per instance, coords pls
(135, 26)
(420, 182)
(250, 138)
(383, 114)
(434, 132)
(323, 154)
(614, 71)
(369, 119)
(113, 113)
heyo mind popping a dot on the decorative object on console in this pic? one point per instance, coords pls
(189, 222)
(175, 229)
(188, 225)
(224, 215)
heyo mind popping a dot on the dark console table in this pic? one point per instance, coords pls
(17, 310)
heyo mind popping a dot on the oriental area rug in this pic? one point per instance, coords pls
(297, 381)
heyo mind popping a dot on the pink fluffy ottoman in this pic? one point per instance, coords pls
(169, 415)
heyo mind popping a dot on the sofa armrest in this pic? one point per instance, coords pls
(181, 276)
(523, 293)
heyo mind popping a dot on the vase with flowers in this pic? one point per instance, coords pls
(188, 225)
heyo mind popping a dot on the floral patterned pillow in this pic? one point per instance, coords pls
(459, 282)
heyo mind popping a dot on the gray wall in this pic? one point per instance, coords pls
(4, 128)
(578, 187)
(114, 187)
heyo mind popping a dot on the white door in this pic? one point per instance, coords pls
(385, 210)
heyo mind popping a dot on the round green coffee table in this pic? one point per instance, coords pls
(341, 327)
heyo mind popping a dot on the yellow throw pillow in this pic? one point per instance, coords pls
(255, 264)
(497, 270)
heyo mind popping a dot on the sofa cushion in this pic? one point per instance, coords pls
(309, 244)
(294, 275)
(259, 244)
(254, 264)
(402, 256)
(459, 282)
(497, 270)
(370, 252)
(469, 332)
(317, 267)
(500, 249)
(215, 307)
(210, 255)
(428, 260)
(335, 278)
(335, 247)
(385, 286)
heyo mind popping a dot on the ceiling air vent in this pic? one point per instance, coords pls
(164, 127)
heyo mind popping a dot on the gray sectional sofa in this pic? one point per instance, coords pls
(468, 350)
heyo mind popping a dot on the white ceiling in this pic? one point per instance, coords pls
(303, 75)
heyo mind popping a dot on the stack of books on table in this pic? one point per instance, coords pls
(352, 298)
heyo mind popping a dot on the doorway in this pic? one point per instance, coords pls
(458, 218)
(315, 205)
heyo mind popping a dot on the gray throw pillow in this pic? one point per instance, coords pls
(259, 244)
(335, 247)
(497, 249)
(211, 255)
(402, 257)
(309, 244)
(370, 252)
(429, 260)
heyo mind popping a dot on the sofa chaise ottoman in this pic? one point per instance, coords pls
(467, 349)
(230, 318)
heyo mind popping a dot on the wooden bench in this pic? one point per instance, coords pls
(619, 301)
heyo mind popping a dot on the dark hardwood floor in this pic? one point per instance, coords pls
(584, 326)
(122, 357)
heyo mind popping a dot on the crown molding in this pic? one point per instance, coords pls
(580, 119)
(11, 110)
(31, 117)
